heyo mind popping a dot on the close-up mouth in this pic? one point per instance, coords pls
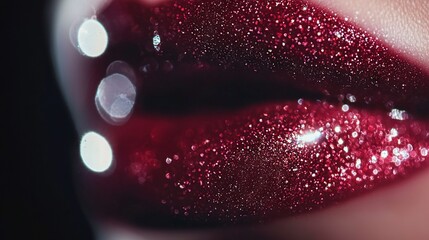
(216, 113)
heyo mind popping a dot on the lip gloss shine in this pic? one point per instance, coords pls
(294, 109)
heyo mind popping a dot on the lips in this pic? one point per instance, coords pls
(246, 111)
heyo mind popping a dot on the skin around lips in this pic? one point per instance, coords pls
(313, 134)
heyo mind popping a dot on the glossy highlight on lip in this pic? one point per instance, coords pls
(271, 156)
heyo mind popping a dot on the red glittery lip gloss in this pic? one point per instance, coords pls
(242, 112)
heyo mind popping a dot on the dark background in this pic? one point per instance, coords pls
(38, 197)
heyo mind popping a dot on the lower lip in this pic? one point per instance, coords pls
(253, 165)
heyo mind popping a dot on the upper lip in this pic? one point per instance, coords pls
(302, 45)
